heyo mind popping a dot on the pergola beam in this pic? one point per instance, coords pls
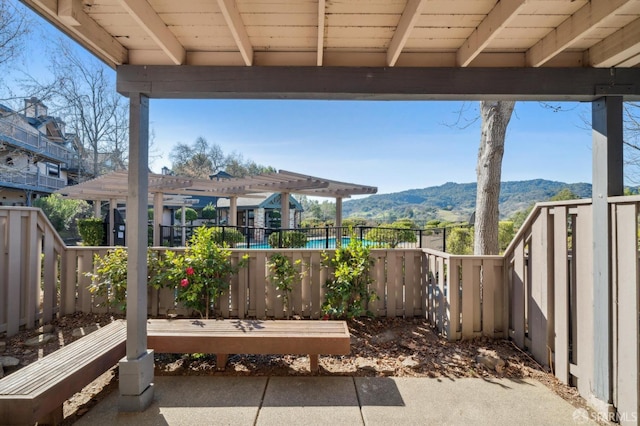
(499, 17)
(408, 20)
(573, 28)
(397, 83)
(234, 21)
(144, 15)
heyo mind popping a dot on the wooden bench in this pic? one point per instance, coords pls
(36, 393)
(224, 337)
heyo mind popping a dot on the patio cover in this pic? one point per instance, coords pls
(553, 50)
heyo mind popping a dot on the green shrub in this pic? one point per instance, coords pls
(290, 239)
(347, 290)
(203, 272)
(460, 240)
(283, 274)
(91, 231)
(209, 212)
(391, 235)
(62, 212)
(190, 214)
(228, 236)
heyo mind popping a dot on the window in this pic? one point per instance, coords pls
(53, 170)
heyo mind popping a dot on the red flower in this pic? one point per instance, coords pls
(189, 270)
(184, 282)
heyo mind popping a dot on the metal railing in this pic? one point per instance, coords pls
(34, 180)
(314, 238)
(21, 138)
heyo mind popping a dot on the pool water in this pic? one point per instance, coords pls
(317, 243)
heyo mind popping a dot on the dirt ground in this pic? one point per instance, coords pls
(379, 347)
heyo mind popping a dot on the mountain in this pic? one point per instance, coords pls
(455, 201)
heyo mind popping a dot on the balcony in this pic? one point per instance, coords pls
(30, 180)
(36, 143)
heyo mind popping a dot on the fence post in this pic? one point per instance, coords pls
(420, 238)
(326, 237)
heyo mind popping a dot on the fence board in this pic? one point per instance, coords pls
(424, 284)
(627, 389)
(241, 293)
(433, 272)
(379, 283)
(68, 283)
(85, 265)
(15, 267)
(539, 306)
(518, 295)
(4, 277)
(32, 273)
(467, 299)
(305, 285)
(561, 294)
(295, 304)
(584, 299)
(488, 298)
(258, 275)
(392, 285)
(49, 279)
(453, 299)
(316, 284)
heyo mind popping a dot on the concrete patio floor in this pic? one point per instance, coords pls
(225, 400)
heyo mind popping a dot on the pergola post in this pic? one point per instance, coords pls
(113, 204)
(607, 181)
(96, 209)
(157, 217)
(136, 369)
(233, 211)
(183, 221)
(285, 219)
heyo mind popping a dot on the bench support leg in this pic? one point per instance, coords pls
(53, 418)
(313, 363)
(221, 361)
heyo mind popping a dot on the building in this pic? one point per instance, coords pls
(37, 155)
(261, 211)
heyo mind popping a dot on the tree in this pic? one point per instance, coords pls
(495, 116)
(199, 160)
(564, 195)
(392, 235)
(460, 241)
(62, 212)
(237, 166)
(15, 25)
(85, 90)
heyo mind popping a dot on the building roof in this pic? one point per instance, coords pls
(115, 185)
(265, 201)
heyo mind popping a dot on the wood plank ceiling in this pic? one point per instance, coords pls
(354, 33)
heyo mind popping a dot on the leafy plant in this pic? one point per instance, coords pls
(283, 274)
(460, 240)
(203, 272)
(189, 214)
(62, 212)
(92, 231)
(289, 239)
(228, 236)
(347, 291)
(110, 277)
(209, 212)
(391, 235)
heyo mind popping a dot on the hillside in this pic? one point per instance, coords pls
(455, 201)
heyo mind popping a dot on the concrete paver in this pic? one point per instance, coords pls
(340, 400)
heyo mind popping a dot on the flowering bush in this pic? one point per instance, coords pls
(203, 272)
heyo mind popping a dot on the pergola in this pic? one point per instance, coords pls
(553, 50)
(176, 190)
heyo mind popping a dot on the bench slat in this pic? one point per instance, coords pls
(42, 387)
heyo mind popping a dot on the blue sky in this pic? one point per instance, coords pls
(392, 145)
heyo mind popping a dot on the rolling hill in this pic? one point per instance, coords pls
(455, 201)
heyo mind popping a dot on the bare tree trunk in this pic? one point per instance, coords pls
(495, 117)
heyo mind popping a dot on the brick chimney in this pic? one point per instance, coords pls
(34, 108)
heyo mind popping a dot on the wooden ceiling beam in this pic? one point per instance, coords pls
(499, 17)
(620, 47)
(408, 20)
(236, 26)
(378, 83)
(577, 26)
(321, 21)
(84, 29)
(144, 15)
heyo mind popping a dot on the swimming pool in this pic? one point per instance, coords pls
(313, 243)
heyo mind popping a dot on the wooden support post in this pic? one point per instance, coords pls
(607, 181)
(183, 222)
(157, 217)
(233, 211)
(284, 211)
(113, 204)
(136, 369)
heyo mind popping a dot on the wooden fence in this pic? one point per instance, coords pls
(539, 293)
